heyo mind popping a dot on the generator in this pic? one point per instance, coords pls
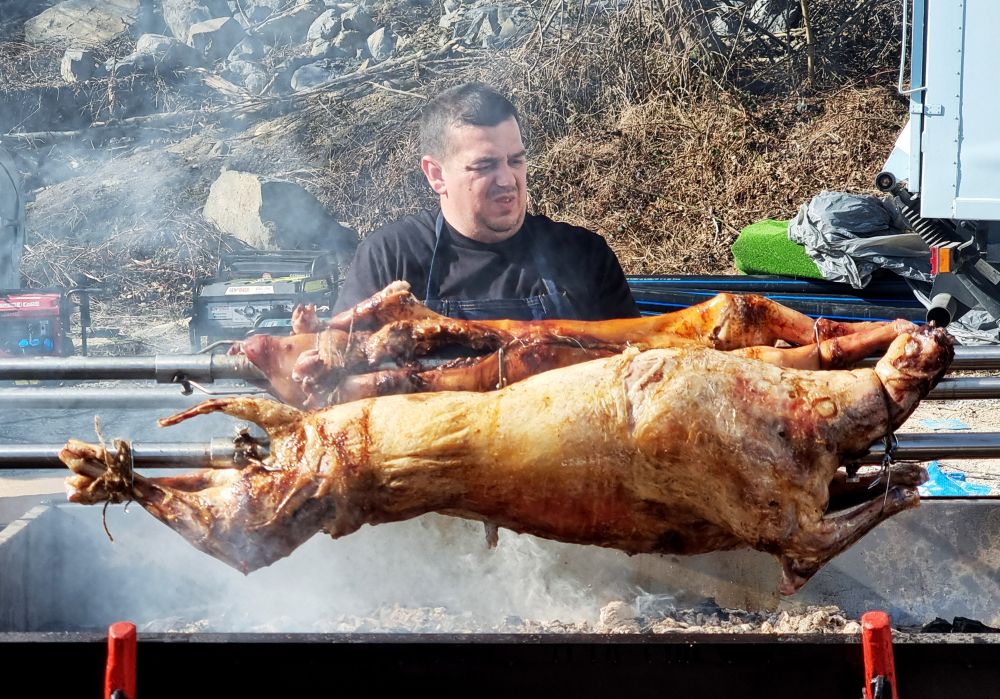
(255, 292)
(34, 324)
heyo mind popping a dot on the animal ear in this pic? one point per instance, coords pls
(434, 173)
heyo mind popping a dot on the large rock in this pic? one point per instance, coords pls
(312, 75)
(181, 15)
(80, 65)
(351, 43)
(381, 44)
(272, 214)
(289, 26)
(250, 49)
(168, 53)
(77, 23)
(215, 38)
(357, 19)
(326, 26)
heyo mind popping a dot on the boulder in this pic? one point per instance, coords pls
(168, 53)
(289, 26)
(326, 49)
(381, 44)
(259, 10)
(250, 49)
(357, 19)
(326, 26)
(312, 75)
(181, 15)
(133, 64)
(80, 65)
(238, 70)
(256, 82)
(215, 38)
(351, 42)
(81, 23)
(272, 214)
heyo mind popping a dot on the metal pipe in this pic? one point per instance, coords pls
(980, 357)
(152, 397)
(162, 368)
(942, 309)
(135, 398)
(966, 387)
(220, 452)
(926, 446)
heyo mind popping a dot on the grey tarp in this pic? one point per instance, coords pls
(851, 236)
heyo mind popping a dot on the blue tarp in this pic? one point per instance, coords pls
(949, 484)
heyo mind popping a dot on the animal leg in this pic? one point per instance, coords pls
(487, 373)
(813, 546)
(247, 517)
(394, 302)
(835, 353)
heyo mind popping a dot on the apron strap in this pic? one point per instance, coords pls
(438, 229)
(561, 307)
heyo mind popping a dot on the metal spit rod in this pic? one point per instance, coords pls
(920, 446)
(151, 397)
(163, 368)
(220, 452)
(172, 368)
(976, 358)
(135, 398)
(224, 453)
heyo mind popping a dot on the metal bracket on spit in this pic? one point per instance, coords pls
(218, 343)
(852, 472)
(248, 449)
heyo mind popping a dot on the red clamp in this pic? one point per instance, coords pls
(119, 677)
(880, 669)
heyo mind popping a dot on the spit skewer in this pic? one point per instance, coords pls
(151, 397)
(175, 368)
(162, 368)
(222, 452)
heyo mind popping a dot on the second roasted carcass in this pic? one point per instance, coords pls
(380, 346)
(683, 451)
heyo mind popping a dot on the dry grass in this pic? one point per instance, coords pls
(643, 126)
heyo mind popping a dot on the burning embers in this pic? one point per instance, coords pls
(681, 450)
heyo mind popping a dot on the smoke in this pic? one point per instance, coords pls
(434, 573)
(116, 204)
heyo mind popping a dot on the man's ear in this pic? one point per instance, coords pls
(434, 174)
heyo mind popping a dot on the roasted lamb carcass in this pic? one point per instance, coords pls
(345, 359)
(683, 450)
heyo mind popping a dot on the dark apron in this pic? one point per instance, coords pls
(552, 304)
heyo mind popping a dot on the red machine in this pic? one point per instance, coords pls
(34, 323)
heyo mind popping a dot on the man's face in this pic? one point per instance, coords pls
(481, 180)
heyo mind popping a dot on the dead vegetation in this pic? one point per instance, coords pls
(663, 125)
(648, 127)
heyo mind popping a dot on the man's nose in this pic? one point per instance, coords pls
(505, 176)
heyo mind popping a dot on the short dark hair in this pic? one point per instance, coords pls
(471, 104)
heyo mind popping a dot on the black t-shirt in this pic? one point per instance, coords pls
(579, 262)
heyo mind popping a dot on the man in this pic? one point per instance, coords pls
(480, 256)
